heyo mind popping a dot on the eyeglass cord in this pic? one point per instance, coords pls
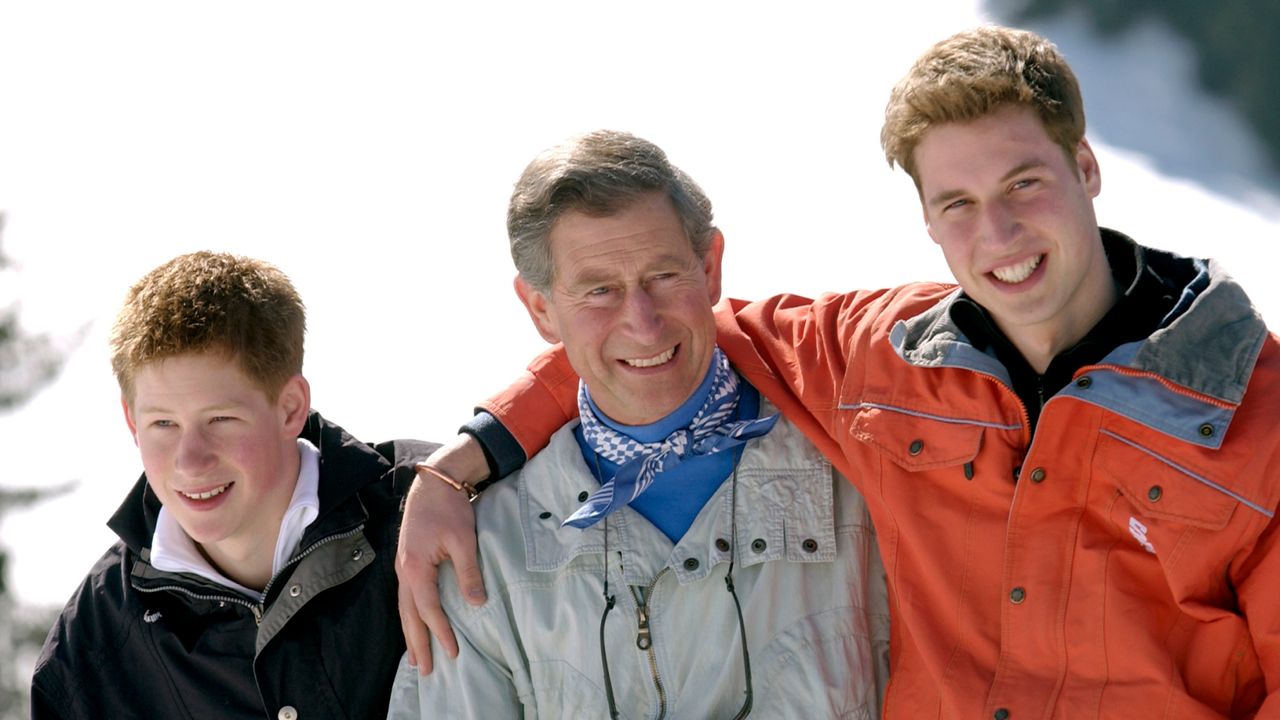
(611, 600)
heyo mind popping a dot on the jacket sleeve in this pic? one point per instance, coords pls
(1257, 582)
(43, 705)
(799, 352)
(542, 400)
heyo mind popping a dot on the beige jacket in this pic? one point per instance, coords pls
(807, 572)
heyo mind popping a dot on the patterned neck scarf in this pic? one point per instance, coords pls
(710, 432)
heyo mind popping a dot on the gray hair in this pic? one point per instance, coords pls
(599, 173)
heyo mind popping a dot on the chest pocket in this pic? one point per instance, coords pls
(1159, 489)
(916, 441)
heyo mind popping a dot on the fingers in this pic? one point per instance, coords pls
(462, 551)
(416, 638)
(429, 610)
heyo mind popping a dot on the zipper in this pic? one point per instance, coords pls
(254, 608)
(258, 608)
(644, 640)
(266, 591)
(1173, 387)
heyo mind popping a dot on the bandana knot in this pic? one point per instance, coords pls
(710, 432)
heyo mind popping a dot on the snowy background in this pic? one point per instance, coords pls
(368, 150)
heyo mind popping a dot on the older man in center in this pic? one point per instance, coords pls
(681, 551)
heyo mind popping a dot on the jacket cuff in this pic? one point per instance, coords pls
(501, 450)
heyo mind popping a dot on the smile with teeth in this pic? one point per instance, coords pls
(659, 359)
(207, 494)
(1019, 272)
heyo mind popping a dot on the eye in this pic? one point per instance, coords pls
(1024, 183)
(598, 292)
(221, 418)
(163, 423)
(955, 205)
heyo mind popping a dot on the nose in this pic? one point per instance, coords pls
(641, 316)
(999, 225)
(194, 454)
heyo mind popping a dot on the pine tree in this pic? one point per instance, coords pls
(27, 363)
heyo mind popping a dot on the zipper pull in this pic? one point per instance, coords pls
(642, 638)
(257, 614)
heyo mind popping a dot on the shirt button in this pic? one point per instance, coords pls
(357, 554)
(1154, 493)
(1001, 714)
(1206, 430)
(722, 545)
(582, 496)
(1017, 595)
(287, 713)
(691, 564)
(1084, 382)
(916, 447)
(759, 545)
(810, 545)
(1037, 475)
(294, 591)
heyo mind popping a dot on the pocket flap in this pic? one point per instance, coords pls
(917, 441)
(1159, 487)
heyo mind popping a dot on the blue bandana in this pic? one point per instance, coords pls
(710, 432)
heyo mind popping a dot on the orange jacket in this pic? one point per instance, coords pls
(1124, 564)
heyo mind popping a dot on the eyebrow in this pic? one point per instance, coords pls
(160, 409)
(603, 274)
(948, 195)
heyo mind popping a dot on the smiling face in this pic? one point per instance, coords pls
(631, 302)
(219, 453)
(1014, 217)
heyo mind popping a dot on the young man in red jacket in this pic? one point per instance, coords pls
(1071, 458)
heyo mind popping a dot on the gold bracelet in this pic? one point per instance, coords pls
(465, 488)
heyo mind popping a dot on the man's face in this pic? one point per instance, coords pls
(220, 455)
(632, 304)
(1015, 221)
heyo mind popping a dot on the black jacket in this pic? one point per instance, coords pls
(136, 642)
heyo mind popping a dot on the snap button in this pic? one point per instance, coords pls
(916, 447)
(1083, 382)
(1001, 714)
(691, 564)
(1017, 595)
(1206, 430)
(1154, 493)
(357, 554)
(722, 545)
(287, 713)
(582, 496)
(809, 545)
(295, 590)
(759, 545)
(1037, 475)
(544, 515)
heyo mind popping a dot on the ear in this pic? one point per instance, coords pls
(539, 308)
(128, 418)
(1087, 163)
(712, 263)
(294, 404)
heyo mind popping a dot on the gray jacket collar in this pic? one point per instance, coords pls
(1208, 344)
